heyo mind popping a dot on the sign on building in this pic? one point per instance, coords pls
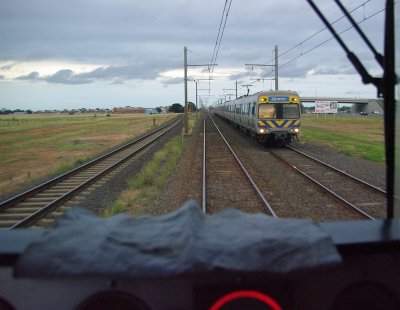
(326, 106)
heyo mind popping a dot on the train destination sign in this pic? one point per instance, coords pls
(278, 98)
(326, 106)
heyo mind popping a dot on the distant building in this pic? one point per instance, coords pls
(150, 111)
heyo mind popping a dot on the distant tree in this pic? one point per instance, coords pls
(5, 111)
(344, 109)
(28, 111)
(159, 110)
(176, 108)
(191, 107)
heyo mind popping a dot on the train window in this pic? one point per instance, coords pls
(290, 110)
(267, 111)
(245, 110)
(237, 109)
(287, 110)
(253, 109)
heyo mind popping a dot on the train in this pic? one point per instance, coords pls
(270, 117)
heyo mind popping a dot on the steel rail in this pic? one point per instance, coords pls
(263, 201)
(203, 196)
(73, 192)
(30, 192)
(340, 198)
(338, 170)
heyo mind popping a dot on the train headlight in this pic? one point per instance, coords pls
(263, 130)
(294, 130)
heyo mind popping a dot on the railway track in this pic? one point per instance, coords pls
(363, 199)
(226, 182)
(282, 179)
(41, 205)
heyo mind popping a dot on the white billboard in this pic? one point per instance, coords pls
(326, 106)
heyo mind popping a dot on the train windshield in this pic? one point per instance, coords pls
(279, 110)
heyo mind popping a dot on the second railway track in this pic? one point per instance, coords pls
(362, 198)
(42, 204)
(293, 195)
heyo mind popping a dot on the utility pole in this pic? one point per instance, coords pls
(197, 82)
(197, 109)
(186, 65)
(185, 118)
(276, 67)
(235, 89)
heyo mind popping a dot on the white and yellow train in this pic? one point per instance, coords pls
(269, 116)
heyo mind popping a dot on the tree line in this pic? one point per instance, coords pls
(178, 108)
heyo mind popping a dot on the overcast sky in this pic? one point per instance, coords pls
(109, 53)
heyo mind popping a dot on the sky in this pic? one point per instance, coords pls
(57, 54)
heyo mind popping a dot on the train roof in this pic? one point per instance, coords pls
(276, 93)
(266, 93)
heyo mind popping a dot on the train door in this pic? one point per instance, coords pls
(248, 115)
(240, 114)
(254, 116)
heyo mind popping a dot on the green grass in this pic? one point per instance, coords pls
(144, 189)
(360, 137)
(69, 166)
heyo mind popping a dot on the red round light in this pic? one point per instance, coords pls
(246, 294)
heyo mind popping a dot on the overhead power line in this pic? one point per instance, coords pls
(318, 32)
(222, 24)
(322, 43)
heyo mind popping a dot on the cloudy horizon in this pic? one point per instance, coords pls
(102, 54)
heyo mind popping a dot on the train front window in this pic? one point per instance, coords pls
(279, 110)
(267, 111)
(290, 110)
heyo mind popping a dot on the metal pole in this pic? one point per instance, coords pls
(389, 83)
(236, 89)
(197, 109)
(276, 67)
(185, 118)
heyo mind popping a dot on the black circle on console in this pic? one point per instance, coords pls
(366, 295)
(112, 300)
(4, 305)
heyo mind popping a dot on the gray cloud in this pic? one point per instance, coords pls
(6, 67)
(33, 76)
(329, 70)
(176, 80)
(128, 72)
(67, 76)
(115, 74)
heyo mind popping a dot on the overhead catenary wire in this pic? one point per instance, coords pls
(222, 24)
(319, 31)
(320, 44)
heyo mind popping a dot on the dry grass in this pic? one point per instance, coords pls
(34, 147)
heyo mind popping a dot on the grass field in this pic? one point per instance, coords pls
(357, 136)
(33, 147)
